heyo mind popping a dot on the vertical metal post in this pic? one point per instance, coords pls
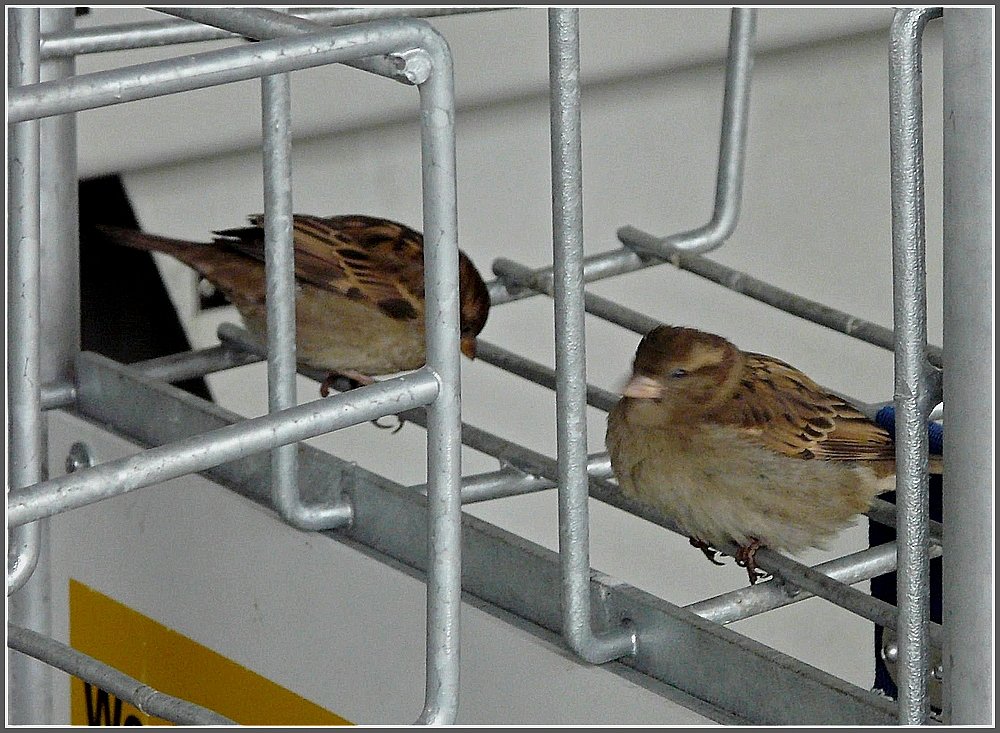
(913, 373)
(571, 377)
(56, 341)
(276, 108)
(276, 113)
(444, 415)
(29, 695)
(968, 294)
(24, 299)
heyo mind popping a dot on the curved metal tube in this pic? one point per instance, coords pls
(119, 684)
(732, 147)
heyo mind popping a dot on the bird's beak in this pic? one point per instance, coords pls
(642, 388)
(469, 346)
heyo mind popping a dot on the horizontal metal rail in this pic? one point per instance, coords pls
(263, 24)
(127, 36)
(784, 300)
(196, 363)
(197, 453)
(212, 68)
(125, 688)
(512, 481)
(518, 281)
(775, 593)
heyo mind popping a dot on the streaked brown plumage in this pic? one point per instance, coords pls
(741, 447)
(360, 289)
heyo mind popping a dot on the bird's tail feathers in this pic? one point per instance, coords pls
(202, 256)
(138, 239)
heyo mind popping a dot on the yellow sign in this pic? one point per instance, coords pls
(174, 664)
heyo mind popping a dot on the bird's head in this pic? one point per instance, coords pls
(680, 374)
(474, 306)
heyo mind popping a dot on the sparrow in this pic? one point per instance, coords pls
(740, 447)
(359, 296)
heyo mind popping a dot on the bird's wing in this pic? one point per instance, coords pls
(779, 407)
(363, 258)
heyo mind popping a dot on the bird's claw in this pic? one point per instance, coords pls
(343, 382)
(746, 558)
(400, 422)
(710, 552)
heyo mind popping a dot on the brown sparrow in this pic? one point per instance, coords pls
(359, 289)
(741, 447)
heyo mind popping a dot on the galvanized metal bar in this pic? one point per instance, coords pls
(571, 358)
(729, 177)
(196, 363)
(500, 568)
(779, 298)
(735, 114)
(789, 570)
(512, 481)
(912, 370)
(25, 448)
(968, 572)
(619, 314)
(776, 592)
(197, 71)
(444, 415)
(200, 452)
(595, 267)
(125, 36)
(487, 352)
(279, 256)
(276, 111)
(885, 512)
(540, 374)
(805, 577)
(30, 687)
(263, 24)
(58, 395)
(109, 679)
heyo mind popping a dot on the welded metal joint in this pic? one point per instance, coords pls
(414, 66)
(79, 456)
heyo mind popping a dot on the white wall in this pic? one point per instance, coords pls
(815, 219)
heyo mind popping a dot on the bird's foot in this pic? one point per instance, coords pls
(343, 382)
(710, 552)
(400, 422)
(348, 380)
(745, 558)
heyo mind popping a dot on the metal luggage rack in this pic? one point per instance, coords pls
(601, 620)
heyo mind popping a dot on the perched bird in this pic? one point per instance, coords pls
(741, 447)
(359, 298)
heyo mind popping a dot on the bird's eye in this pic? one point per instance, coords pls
(678, 373)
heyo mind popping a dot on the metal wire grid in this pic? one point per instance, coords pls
(573, 472)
